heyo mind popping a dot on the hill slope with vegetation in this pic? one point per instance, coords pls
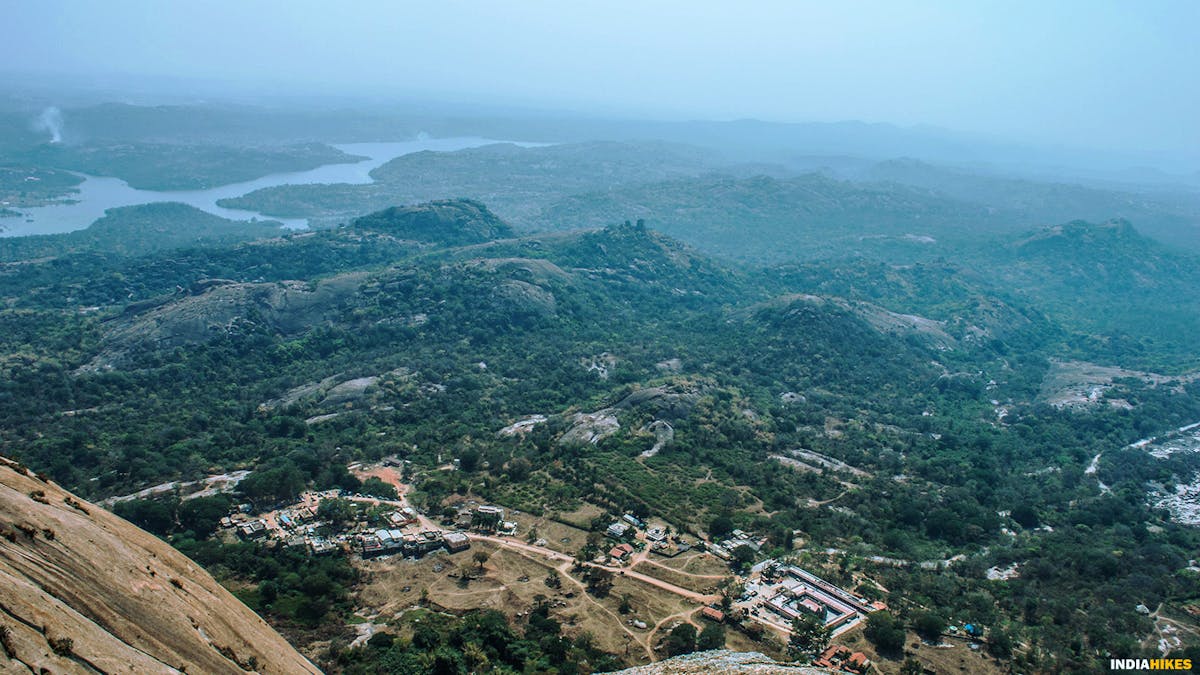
(425, 332)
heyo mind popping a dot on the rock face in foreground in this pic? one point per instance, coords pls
(83, 591)
(722, 661)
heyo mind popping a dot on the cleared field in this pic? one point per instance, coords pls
(559, 537)
(582, 516)
(511, 581)
(650, 605)
(698, 583)
(694, 562)
(395, 584)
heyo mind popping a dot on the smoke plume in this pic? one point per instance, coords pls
(50, 121)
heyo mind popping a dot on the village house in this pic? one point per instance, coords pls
(371, 547)
(402, 517)
(620, 552)
(428, 540)
(719, 551)
(255, 529)
(617, 530)
(464, 519)
(832, 656)
(456, 541)
(322, 546)
(487, 517)
(858, 663)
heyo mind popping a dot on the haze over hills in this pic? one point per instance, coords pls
(705, 199)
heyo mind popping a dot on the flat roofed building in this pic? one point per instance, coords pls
(456, 541)
(617, 530)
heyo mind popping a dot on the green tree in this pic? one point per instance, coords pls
(1025, 515)
(375, 487)
(681, 640)
(929, 626)
(885, 633)
(599, 581)
(743, 557)
(276, 484)
(810, 636)
(720, 527)
(381, 640)
(712, 637)
(339, 512)
(202, 515)
(149, 514)
(519, 469)
(1000, 643)
(268, 591)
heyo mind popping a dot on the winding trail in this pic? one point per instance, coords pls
(564, 572)
(686, 615)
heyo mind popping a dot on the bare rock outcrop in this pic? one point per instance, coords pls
(215, 310)
(722, 661)
(83, 591)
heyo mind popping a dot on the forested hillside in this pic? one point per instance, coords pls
(921, 384)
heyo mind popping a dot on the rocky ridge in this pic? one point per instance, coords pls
(83, 591)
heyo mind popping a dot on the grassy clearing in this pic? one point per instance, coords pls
(692, 583)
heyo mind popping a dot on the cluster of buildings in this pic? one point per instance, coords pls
(250, 529)
(402, 517)
(295, 526)
(470, 517)
(483, 518)
(841, 658)
(388, 541)
(629, 527)
(724, 550)
(625, 528)
(788, 592)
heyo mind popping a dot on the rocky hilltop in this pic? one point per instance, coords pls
(452, 222)
(722, 661)
(83, 591)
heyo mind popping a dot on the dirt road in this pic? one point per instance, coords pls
(621, 571)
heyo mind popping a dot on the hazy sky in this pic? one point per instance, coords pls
(1122, 75)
